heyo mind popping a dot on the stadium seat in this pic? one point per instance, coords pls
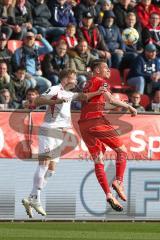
(145, 100)
(116, 82)
(12, 45)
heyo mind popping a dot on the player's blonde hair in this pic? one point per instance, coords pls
(65, 73)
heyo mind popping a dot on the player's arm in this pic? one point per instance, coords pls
(119, 103)
(43, 100)
(89, 95)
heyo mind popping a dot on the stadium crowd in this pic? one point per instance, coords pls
(40, 38)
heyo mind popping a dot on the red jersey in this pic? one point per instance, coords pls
(95, 106)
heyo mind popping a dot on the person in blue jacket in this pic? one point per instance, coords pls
(144, 74)
(28, 57)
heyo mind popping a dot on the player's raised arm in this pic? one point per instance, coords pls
(43, 100)
(109, 97)
(88, 96)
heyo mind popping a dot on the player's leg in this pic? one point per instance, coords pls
(110, 137)
(96, 149)
(103, 181)
(56, 153)
(34, 198)
(38, 180)
(50, 172)
(44, 157)
(120, 170)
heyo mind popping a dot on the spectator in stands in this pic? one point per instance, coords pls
(131, 21)
(56, 61)
(105, 6)
(61, 16)
(41, 19)
(121, 9)
(6, 101)
(21, 84)
(91, 6)
(31, 95)
(5, 80)
(144, 74)
(151, 33)
(5, 54)
(112, 37)
(80, 60)
(23, 17)
(155, 104)
(28, 57)
(131, 51)
(7, 19)
(90, 32)
(135, 99)
(69, 36)
(144, 9)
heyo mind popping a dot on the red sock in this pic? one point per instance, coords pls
(120, 165)
(101, 177)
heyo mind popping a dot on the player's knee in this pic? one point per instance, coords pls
(99, 158)
(44, 162)
(121, 149)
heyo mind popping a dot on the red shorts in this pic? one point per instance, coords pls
(98, 132)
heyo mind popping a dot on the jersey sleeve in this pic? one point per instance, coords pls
(73, 96)
(93, 85)
(51, 92)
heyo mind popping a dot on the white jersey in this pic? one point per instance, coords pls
(58, 115)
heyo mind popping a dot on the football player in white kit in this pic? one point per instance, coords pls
(57, 120)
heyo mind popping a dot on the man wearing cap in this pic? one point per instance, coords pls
(91, 34)
(93, 6)
(28, 57)
(5, 54)
(144, 74)
(112, 37)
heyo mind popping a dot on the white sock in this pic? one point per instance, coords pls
(48, 174)
(38, 180)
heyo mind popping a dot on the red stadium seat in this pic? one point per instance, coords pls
(116, 82)
(145, 100)
(12, 45)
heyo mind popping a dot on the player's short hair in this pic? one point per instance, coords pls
(65, 73)
(97, 63)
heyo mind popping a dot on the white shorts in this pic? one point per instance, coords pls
(50, 143)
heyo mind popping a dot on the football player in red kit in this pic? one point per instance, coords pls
(97, 131)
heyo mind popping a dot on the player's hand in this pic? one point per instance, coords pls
(102, 89)
(132, 110)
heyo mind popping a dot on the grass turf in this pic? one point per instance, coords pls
(79, 231)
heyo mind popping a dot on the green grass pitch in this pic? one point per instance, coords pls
(79, 231)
